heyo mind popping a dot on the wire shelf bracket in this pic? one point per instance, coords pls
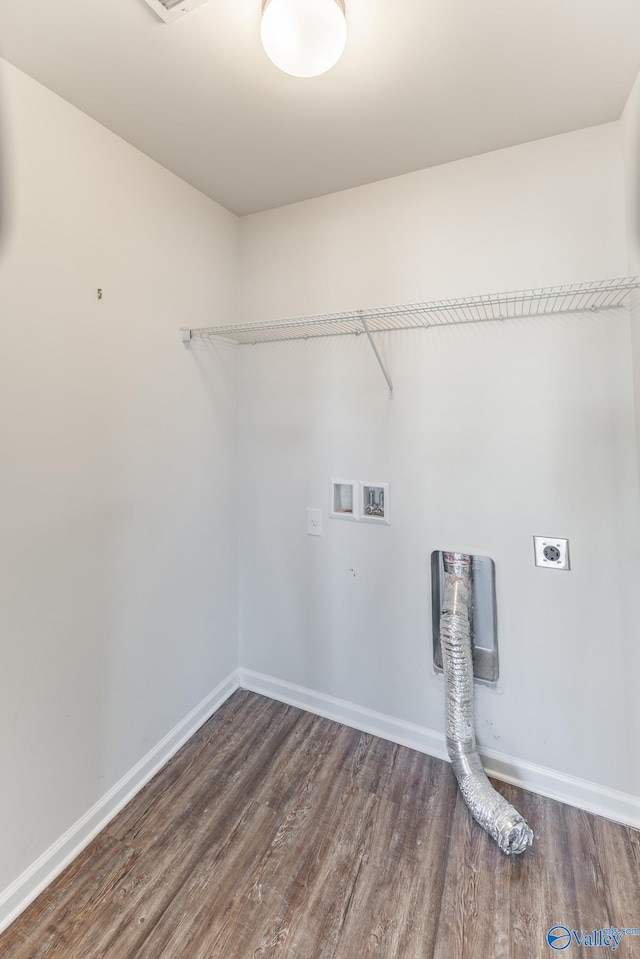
(591, 296)
(376, 352)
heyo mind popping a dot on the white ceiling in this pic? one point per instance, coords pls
(422, 82)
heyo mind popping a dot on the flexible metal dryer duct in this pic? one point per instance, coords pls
(488, 807)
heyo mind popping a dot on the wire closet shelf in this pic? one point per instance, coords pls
(570, 298)
(551, 300)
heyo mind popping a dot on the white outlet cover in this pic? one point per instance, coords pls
(314, 521)
(551, 551)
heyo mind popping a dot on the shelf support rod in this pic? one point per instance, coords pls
(376, 353)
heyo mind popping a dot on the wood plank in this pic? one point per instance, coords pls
(601, 860)
(342, 868)
(394, 902)
(274, 894)
(373, 763)
(48, 924)
(123, 921)
(206, 900)
(310, 742)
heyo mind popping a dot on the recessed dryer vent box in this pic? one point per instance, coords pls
(484, 632)
(344, 499)
(374, 503)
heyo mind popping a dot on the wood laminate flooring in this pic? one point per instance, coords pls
(276, 833)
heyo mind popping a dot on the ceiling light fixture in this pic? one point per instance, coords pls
(304, 37)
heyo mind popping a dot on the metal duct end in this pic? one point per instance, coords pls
(458, 563)
(515, 836)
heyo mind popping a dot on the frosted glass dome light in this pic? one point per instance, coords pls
(304, 37)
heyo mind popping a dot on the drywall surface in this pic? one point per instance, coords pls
(630, 124)
(118, 546)
(631, 140)
(631, 134)
(497, 432)
(545, 212)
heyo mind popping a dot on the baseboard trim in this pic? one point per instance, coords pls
(358, 717)
(592, 797)
(16, 897)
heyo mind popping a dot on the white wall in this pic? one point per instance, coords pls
(630, 123)
(496, 433)
(631, 134)
(118, 608)
(546, 212)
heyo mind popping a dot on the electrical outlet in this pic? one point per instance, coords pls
(314, 521)
(551, 551)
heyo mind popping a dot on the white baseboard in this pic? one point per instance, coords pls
(358, 717)
(592, 797)
(16, 897)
